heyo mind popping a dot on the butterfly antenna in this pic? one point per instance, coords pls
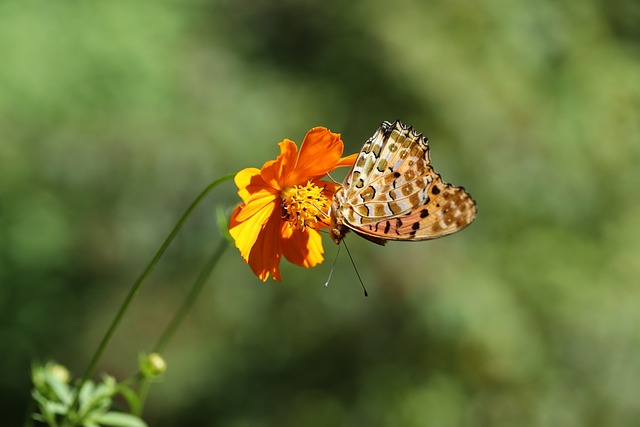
(326, 284)
(331, 178)
(366, 294)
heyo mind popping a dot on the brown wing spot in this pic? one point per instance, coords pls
(395, 208)
(378, 210)
(415, 226)
(376, 150)
(407, 189)
(361, 210)
(414, 199)
(412, 232)
(406, 142)
(424, 213)
(382, 165)
(396, 174)
(387, 179)
(360, 183)
(409, 175)
(368, 166)
(435, 190)
(392, 148)
(368, 194)
(387, 227)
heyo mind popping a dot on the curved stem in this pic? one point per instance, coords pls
(180, 315)
(136, 286)
(191, 298)
(143, 392)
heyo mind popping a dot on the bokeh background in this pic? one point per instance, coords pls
(115, 115)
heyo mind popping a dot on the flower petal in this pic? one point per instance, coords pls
(257, 226)
(245, 233)
(319, 153)
(303, 248)
(328, 188)
(258, 201)
(266, 251)
(275, 172)
(347, 161)
(255, 196)
(245, 181)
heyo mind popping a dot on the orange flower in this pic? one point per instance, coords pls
(285, 203)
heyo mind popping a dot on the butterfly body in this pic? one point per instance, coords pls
(393, 193)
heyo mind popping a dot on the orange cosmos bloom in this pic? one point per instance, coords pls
(285, 202)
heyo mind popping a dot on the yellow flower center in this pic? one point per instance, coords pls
(304, 206)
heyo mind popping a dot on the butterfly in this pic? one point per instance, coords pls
(393, 193)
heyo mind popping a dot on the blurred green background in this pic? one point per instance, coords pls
(115, 115)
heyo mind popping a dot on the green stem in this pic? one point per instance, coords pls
(180, 315)
(28, 422)
(143, 392)
(191, 298)
(136, 286)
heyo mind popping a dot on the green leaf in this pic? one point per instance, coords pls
(38, 417)
(121, 419)
(109, 381)
(60, 389)
(37, 376)
(108, 387)
(222, 220)
(38, 397)
(132, 398)
(57, 408)
(86, 391)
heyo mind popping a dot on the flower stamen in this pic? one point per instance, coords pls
(304, 206)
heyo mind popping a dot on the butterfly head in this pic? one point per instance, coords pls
(338, 230)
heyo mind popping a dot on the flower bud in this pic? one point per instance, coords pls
(58, 372)
(152, 365)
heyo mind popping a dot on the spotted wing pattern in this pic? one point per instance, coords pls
(393, 193)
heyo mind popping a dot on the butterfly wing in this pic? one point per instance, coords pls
(390, 176)
(447, 209)
(393, 193)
